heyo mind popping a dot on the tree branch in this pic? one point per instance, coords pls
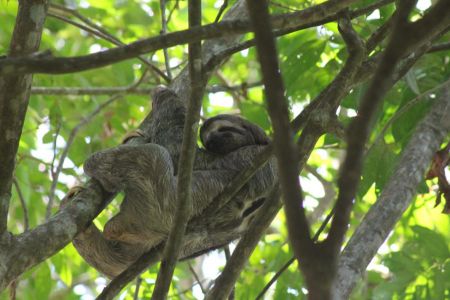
(58, 65)
(162, 5)
(98, 31)
(79, 91)
(119, 282)
(23, 203)
(284, 146)
(396, 196)
(14, 97)
(186, 161)
(402, 41)
(440, 47)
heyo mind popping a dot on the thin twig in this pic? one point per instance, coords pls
(221, 10)
(175, 6)
(197, 279)
(162, 4)
(380, 34)
(99, 32)
(26, 221)
(138, 286)
(292, 259)
(54, 174)
(81, 26)
(440, 47)
(325, 201)
(404, 109)
(69, 143)
(119, 282)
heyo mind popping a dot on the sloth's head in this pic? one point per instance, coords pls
(223, 134)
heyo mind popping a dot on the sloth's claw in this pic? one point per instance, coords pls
(132, 134)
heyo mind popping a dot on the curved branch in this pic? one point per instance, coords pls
(58, 65)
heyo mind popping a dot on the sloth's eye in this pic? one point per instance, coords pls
(230, 129)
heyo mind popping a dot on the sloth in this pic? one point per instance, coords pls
(146, 174)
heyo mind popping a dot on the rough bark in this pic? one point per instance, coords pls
(14, 96)
(395, 198)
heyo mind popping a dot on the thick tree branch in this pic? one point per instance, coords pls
(186, 161)
(396, 196)
(32, 247)
(284, 146)
(59, 65)
(14, 96)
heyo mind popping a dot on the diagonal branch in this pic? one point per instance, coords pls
(313, 15)
(396, 196)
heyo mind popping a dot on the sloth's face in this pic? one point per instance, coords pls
(223, 136)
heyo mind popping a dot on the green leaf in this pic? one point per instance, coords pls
(48, 138)
(378, 168)
(433, 243)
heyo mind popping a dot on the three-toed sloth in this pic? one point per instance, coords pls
(147, 175)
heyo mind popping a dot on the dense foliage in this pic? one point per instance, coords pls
(414, 263)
